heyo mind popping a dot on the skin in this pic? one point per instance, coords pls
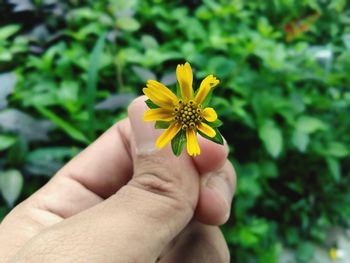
(121, 200)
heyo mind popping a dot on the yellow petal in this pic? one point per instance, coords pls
(163, 90)
(158, 115)
(209, 114)
(158, 98)
(206, 86)
(206, 129)
(192, 143)
(333, 253)
(168, 135)
(184, 76)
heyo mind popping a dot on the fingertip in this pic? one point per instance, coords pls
(138, 104)
(216, 194)
(211, 208)
(212, 157)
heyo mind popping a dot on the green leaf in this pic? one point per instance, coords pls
(217, 138)
(92, 82)
(64, 125)
(68, 91)
(337, 149)
(300, 140)
(151, 104)
(11, 183)
(247, 238)
(47, 161)
(292, 236)
(21, 123)
(7, 31)
(17, 153)
(5, 56)
(224, 66)
(53, 153)
(8, 82)
(334, 168)
(308, 124)
(169, 79)
(248, 184)
(268, 169)
(149, 42)
(270, 254)
(6, 141)
(178, 143)
(128, 23)
(162, 124)
(305, 252)
(250, 234)
(215, 124)
(271, 136)
(143, 73)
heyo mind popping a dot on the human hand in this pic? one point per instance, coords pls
(120, 200)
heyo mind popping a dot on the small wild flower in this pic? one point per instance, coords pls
(185, 114)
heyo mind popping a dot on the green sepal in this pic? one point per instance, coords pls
(178, 90)
(217, 138)
(215, 124)
(162, 124)
(207, 99)
(178, 143)
(151, 104)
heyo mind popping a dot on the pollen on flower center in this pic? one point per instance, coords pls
(189, 114)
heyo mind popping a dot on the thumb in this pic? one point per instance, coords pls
(164, 187)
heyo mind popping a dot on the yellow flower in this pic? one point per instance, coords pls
(185, 113)
(333, 253)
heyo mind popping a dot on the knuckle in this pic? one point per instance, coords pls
(162, 190)
(154, 206)
(158, 176)
(170, 188)
(229, 174)
(156, 183)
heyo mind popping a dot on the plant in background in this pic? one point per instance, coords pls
(184, 114)
(284, 98)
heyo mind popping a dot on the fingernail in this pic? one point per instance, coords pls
(144, 132)
(222, 187)
(227, 148)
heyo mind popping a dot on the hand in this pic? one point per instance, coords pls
(120, 200)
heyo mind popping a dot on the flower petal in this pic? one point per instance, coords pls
(163, 90)
(184, 76)
(168, 135)
(159, 114)
(206, 129)
(206, 86)
(192, 143)
(158, 98)
(210, 114)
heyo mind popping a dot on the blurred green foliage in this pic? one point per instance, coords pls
(69, 69)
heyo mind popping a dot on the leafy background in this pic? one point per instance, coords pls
(69, 68)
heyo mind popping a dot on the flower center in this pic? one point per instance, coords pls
(188, 114)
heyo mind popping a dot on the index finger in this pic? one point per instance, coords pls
(106, 164)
